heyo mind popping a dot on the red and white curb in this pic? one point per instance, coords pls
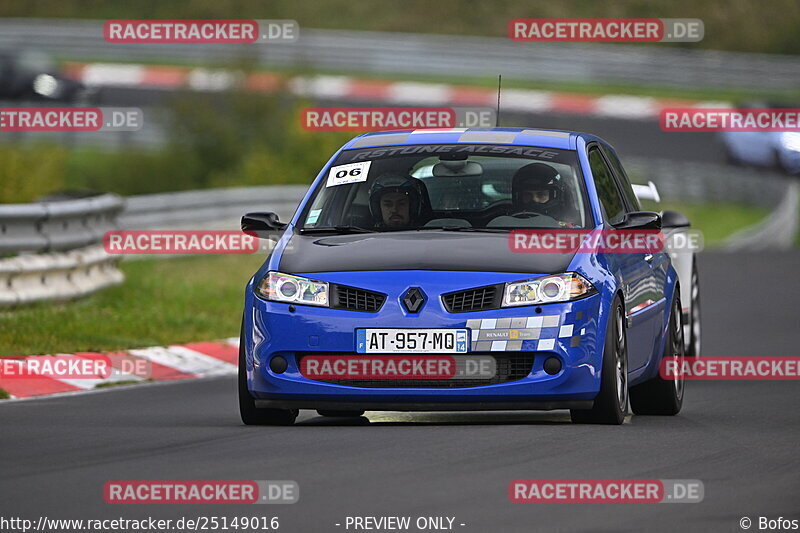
(378, 91)
(165, 363)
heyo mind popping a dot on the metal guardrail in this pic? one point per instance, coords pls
(57, 244)
(57, 225)
(208, 208)
(57, 276)
(707, 182)
(701, 182)
(56, 247)
(437, 55)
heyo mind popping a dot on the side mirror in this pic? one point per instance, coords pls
(640, 220)
(673, 219)
(259, 223)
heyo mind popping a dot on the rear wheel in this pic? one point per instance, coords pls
(611, 404)
(341, 414)
(660, 396)
(252, 415)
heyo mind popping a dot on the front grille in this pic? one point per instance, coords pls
(353, 299)
(473, 299)
(510, 367)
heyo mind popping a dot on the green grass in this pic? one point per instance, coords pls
(4, 395)
(161, 302)
(716, 221)
(120, 383)
(241, 139)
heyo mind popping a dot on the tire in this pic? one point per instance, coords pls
(693, 345)
(252, 415)
(340, 414)
(778, 161)
(611, 403)
(659, 396)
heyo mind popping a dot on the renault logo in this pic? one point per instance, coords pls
(413, 299)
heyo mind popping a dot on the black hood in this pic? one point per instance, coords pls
(424, 250)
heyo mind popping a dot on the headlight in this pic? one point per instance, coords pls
(45, 85)
(293, 289)
(559, 288)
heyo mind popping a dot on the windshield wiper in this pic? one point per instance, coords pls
(335, 229)
(463, 228)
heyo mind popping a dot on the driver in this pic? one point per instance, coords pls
(398, 201)
(537, 188)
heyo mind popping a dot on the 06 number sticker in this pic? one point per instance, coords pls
(351, 173)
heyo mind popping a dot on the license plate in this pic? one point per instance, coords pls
(411, 340)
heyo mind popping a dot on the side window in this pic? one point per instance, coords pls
(627, 190)
(607, 191)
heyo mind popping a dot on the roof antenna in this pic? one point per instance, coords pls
(497, 118)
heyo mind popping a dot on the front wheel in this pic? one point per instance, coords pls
(252, 415)
(660, 396)
(611, 404)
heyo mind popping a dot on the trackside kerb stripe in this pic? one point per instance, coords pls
(190, 361)
(87, 383)
(158, 372)
(183, 359)
(382, 91)
(372, 90)
(34, 386)
(223, 352)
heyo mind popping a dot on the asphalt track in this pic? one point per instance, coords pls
(739, 438)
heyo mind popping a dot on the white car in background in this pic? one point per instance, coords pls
(685, 264)
(774, 149)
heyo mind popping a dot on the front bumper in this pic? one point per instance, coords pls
(568, 331)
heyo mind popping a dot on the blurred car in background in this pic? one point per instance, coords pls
(29, 75)
(685, 264)
(774, 149)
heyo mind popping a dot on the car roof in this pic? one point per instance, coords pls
(544, 138)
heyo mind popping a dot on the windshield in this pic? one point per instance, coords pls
(453, 187)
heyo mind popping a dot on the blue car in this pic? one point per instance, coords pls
(396, 285)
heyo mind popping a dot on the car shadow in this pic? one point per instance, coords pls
(472, 418)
